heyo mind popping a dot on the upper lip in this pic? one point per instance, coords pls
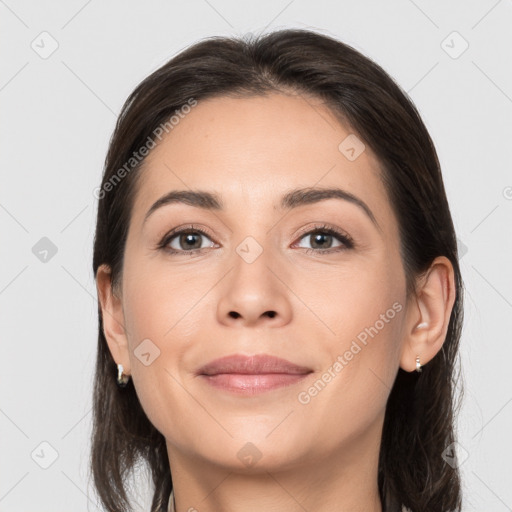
(251, 365)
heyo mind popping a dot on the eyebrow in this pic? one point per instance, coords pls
(293, 199)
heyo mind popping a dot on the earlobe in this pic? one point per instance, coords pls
(112, 318)
(428, 315)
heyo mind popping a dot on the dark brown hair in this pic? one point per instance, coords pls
(419, 420)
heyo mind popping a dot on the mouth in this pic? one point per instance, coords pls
(251, 375)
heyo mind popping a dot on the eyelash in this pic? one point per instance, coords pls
(344, 238)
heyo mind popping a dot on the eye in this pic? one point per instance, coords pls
(186, 240)
(326, 239)
(191, 240)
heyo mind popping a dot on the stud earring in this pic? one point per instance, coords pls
(418, 364)
(122, 379)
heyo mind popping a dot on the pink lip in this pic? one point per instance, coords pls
(252, 374)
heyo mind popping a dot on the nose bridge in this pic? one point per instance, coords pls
(252, 236)
(249, 250)
(251, 260)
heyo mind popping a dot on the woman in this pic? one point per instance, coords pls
(262, 371)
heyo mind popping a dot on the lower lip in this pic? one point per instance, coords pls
(254, 383)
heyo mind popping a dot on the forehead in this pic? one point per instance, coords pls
(255, 148)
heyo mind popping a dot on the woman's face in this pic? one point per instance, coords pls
(266, 278)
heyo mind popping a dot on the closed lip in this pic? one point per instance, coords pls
(257, 364)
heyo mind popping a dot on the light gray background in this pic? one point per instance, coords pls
(57, 114)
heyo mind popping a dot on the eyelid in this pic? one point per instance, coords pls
(342, 235)
(178, 230)
(323, 227)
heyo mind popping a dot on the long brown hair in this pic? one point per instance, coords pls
(420, 411)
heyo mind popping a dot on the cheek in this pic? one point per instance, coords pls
(345, 300)
(159, 301)
(349, 395)
(362, 312)
(162, 314)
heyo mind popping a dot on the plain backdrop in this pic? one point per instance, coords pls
(67, 67)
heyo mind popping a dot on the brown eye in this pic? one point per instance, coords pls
(319, 240)
(325, 239)
(186, 241)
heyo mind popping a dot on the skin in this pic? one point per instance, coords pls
(321, 455)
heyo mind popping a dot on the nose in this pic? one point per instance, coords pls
(255, 294)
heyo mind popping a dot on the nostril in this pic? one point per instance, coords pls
(234, 314)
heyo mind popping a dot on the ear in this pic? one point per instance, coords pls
(113, 318)
(428, 314)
